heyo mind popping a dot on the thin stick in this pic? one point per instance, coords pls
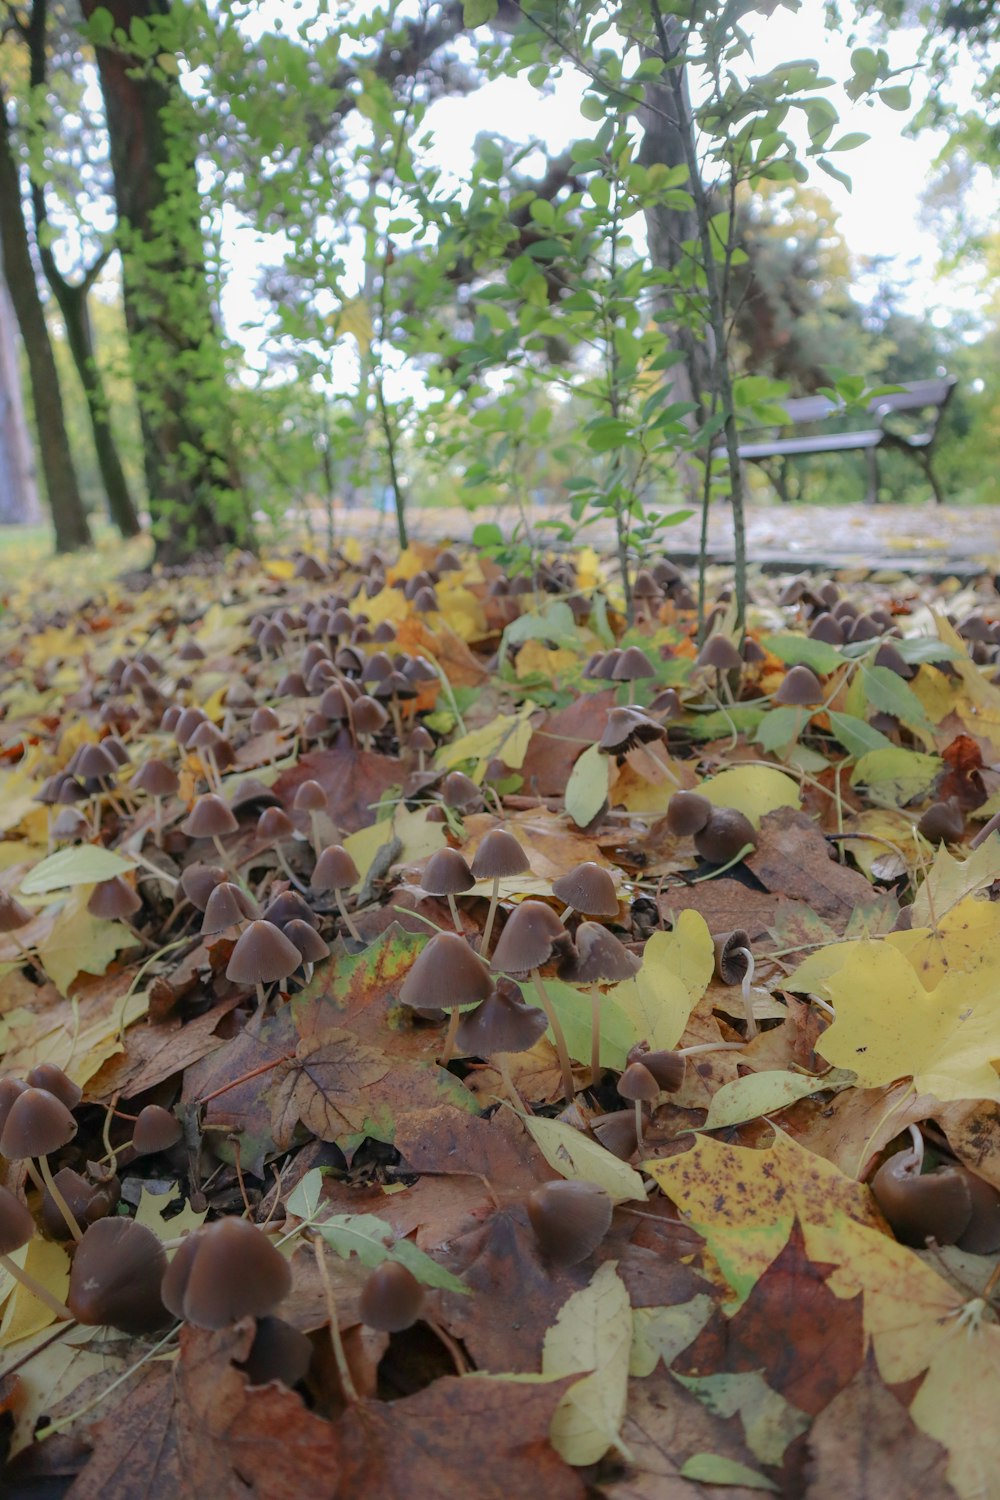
(36, 1289)
(347, 1385)
(569, 1088)
(60, 1202)
(347, 918)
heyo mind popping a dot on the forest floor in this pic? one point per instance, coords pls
(660, 1158)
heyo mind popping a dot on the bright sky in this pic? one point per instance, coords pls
(880, 217)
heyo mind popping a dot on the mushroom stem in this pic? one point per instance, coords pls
(566, 912)
(917, 1153)
(261, 998)
(595, 1036)
(449, 1040)
(421, 761)
(569, 1088)
(286, 867)
(502, 1060)
(453, 908)
(158, 822)
(59, 1200)
(638, 1124)
(36, 1289)
(349, 922)
(490, 916)
(711, 1047)
(397, 722)
(752, 1027)
(225, 859)
(314, 825)
(349, 1389)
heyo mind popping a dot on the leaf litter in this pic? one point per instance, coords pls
(743, 1317)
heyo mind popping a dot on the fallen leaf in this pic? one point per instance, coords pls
(754, 790)
(593, 1333)
(575, 1156)
(793, 859)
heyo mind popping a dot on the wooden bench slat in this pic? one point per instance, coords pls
(832, 442)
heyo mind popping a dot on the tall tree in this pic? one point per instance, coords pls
(18, 490)
(179, 363)
(68, 515)
(72, 299)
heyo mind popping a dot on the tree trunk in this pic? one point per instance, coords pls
(68, 515)
(18, 490)
(194, 494)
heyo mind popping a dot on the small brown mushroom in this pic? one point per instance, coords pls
(37, 1124)
(499, 856)
(263, 955)
(115, 1277)
(447, 975)
(726, 835)
(532, 933)
(589, 889)
(223, 1272)
(391, 1298)
(638, 1084)
(447, 874)
(336, 871)
(734, 965)
(570, 1219)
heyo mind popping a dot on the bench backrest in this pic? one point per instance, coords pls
(914, 395)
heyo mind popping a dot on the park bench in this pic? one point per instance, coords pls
(923, 399)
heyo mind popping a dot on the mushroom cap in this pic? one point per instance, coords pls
(461, 792)
(115, 1277)
(335, 705)
(17, 1226)
(981, 1235)
(827, 627)
(632, 665)
(226, 1271)
(199, 881)
(626, 728)
(942, 822)
(13, 915)
(446, 873)
(70, 824)
(499, 854)
(274, 824)
(186, 724)
(37, 1123)
(87, 1201)
(264, 720)
(668, 1068)
(603, 669)
(278, 1352)
(446, 974)
(588, 888)
(113, 899)
(287, 907)
(720, 653)
(226, 906)
(800, 688)
(918, 1207)
(156, 1129)
(687, 813)
(864, 629)
(368, 714)
(209, 818)
(310, 797)
(570, 1219)
(335, 870)
(730, 958)
(890, 656)
(421, 739)
(391, 1298)
(500, 1024)
(10, 1088)
(724, 835)
(262, 954)
(527, 941)
(94, 763)
(599, 957)
(638, 1082)
(307, 940)
(51, 1077)
(616, 1133)
(156, 778)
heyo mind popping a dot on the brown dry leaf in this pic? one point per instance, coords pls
(865, 1445)
(793, 859)
(443, 647)
(156, 1053)
(354, 780)
(358, 992)
(325, 1087)
(559, 739)
(445, 1140)
(724, 903)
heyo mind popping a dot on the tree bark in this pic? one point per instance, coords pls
(18, 491)
(68, 515)
(194, 493)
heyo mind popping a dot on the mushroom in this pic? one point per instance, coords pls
(599, 958)
(687, 813)
(447, 975)
(199, 881)
(273, 825)
(625, 729)
(278, 1352)
(88, 1200)
(368, 718)
(157, 780)
(50, 1076)
(262, 956)
(114, 900)
(734, 965)
(211, 818)
(589, 889)
(942, 822)
(638, 1084)
(726, 837)
(156, 1129)
(570, 1219)
(800, 688)
(223, 1272)
(499, 856)
(38, 1123)
(309, 943)
(311, 798)
(115, 1277)
(447, 874)
(391, 1298)
(228, 906)
(826, 627)
(500, 1025)
(17, 1228)
(336, 871)
(461, 792)
(919, 1207)
(422, 741)
(527, 942)
(632, 666)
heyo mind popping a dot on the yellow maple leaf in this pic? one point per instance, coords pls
(536, 659)
(965, 938)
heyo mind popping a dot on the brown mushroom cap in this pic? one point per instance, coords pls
(156, 1129)
(626, 728)
(616, 1133)
(391, 1298)
(942, 823)
(632, 665)
(599, 957)
(274, 824)
(687, 813)
(289, 906)
(199, 881)
(51, 1077)
(446, 973)
(499, 854)
(461, 792)
(421, 739)
(262, 955)
(264, 720)
(209, 818)
(588, 888)
(446, 873)
(637, 1082)
(981, 1235)
(918, 1207)
(668, 1068)
(156, 778)
(570, 1219)
(335, 870)
(223, 1272)
(227, 905)
(527, 941)
(800, 688)
(37, 1123)
(827, 627)
(113, 899)
(730, 962)
(500, 1024)
(720, 653)
(278, 1352)
(94, 763)
(87, 1201)
(310, 797)
(307, 940)
(17, 1226)
(368, 715)
(724, 835)
(115, 1277)
(13, 915)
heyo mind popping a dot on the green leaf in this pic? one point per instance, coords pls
(86, 864)
(896, 97)
(580, 1159)
(889, 694)
(587, 787)
(897, 775)
(779, 727)
(477, 12)
(799, 650)
(858, 736)
(574, 1011)
(712, 1468)
(371, 1239)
